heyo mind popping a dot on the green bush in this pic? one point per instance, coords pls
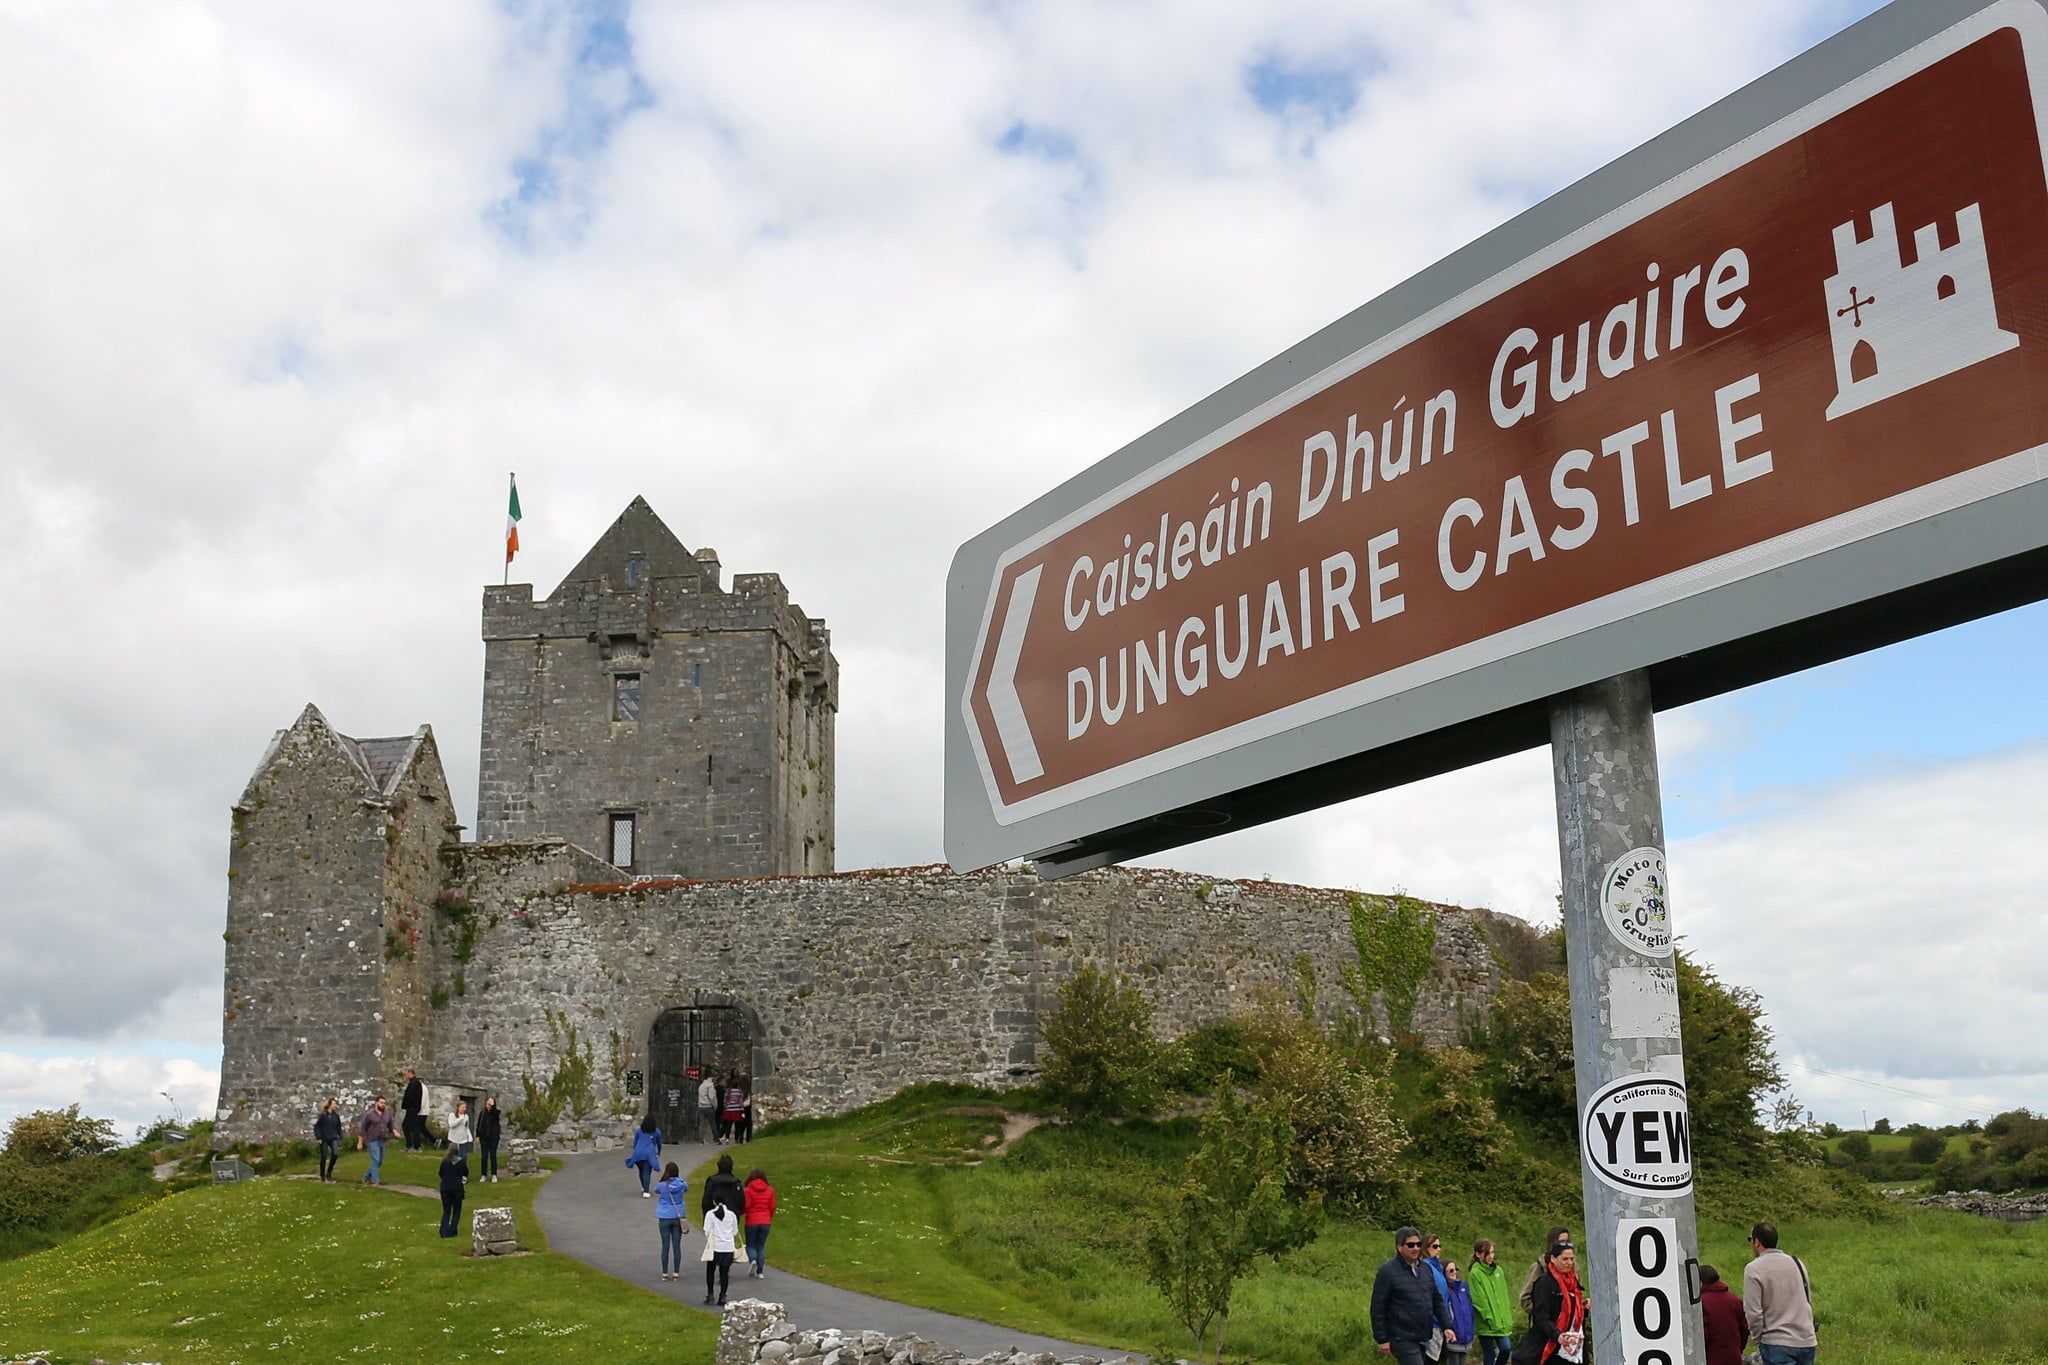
(1101, 1060)
(1346, 1139)
(1223, 1051)
(1926, 1148)
(1855, 1146)
(1530, 1030)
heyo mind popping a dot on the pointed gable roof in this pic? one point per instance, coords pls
(637, 534)
(382, 762)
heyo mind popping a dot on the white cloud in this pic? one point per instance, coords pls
(130, 1089)
(268, 357)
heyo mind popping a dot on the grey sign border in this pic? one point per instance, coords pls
(1996, 530)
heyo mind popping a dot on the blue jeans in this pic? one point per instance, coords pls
(376, 1146)
(1495, 1348)
(671, 1245)
(646, 1177)
(1786, 1355)
(757, 1245)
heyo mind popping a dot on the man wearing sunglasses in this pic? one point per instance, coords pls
(1407, 1308)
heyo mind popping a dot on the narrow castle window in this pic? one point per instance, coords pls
(620, 841)
(625, 696)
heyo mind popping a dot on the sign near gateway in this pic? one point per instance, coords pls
(1782, 364)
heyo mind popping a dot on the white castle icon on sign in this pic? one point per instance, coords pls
(1897, 326)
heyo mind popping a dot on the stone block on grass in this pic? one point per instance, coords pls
(492, 1233)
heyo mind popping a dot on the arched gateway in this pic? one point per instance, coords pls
(686, 1044)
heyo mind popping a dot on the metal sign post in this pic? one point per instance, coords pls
(1641, 1259)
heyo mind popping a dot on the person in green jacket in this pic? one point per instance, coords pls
(1491, 1304)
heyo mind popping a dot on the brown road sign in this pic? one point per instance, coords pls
(1669, 427)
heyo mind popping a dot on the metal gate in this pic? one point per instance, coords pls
(685, 1046)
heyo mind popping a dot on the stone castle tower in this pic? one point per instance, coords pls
(646, 712)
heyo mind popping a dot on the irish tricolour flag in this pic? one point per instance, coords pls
(512, 523)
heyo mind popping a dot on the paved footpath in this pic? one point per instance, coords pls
(592, 1210)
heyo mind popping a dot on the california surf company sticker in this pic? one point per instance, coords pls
(1633, 899)
(1637, 1138)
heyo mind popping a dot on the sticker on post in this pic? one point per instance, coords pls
(1633, 899)
(1637, 1138)
(1649, 1272)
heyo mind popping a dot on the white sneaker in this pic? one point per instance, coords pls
(644, 1194)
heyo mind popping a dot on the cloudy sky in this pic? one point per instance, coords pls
(286, 291)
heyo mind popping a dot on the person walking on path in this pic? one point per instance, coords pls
(723, 1190)
(1557, 1324)
(708, 1129)
(327, 1132)
(735, 1113)
(454, 1179)
(1721, 1313)
(1492, 1311)
(646, 1154)
(410, 1104)
(458, 1127)
(1407, 1310)
(1463, 1319)
(671, 1215)
(722, 1228)
(1557, 1234)
(490, 1126)
(373, 1130)
(1777, 1300)
(759, 1196)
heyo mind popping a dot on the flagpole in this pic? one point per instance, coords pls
(512, 484)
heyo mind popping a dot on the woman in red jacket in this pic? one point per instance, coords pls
(1721, 1311)
(760, 1213)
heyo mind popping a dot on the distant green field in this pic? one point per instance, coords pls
(279, 1269)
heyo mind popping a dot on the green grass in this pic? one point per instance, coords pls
(293, 1269)
(904, 1201)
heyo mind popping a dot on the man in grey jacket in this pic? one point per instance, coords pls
(1777, 1299)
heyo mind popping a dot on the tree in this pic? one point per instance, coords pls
(1729, 1064)
(1231, 1209)
(1883, 1127)
(1927, 1147)
(1530, 1028)
(1464, 1131)
(1101, 1057)
(49, 1136)
(1856, 1146)
(1345, 1138)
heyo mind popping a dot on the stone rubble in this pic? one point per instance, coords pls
(2018, 1208)
(757, 1332)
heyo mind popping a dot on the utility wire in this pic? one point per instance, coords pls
(1923, 1097)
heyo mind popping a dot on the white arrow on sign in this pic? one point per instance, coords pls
(1004, 705)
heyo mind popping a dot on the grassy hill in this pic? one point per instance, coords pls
(939, 1198)
(294, 1269)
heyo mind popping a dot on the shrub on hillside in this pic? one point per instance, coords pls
(1101, 1059)
(47, 1136)
(1855, 1146)
(1926, 1147)
(1221, 1052)
(1347, 1141)
(1464, 1130)
(1530, 1042)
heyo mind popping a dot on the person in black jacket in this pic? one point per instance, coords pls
(454, 1177)
(1407, 1307)
(327, 1132)
(724, 1188)
(410, 1104)
(490, 1126)
(1557, 1320)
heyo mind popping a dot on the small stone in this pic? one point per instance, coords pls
(771, 1351)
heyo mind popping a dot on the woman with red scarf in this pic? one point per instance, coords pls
(1557, 1320)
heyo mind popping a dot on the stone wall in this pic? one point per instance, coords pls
(863, 983)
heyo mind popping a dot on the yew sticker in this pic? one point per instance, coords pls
(1637, 1138)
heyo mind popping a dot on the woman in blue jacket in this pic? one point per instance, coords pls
(671, 1215)
(646, 1154)
(1464, 1322)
